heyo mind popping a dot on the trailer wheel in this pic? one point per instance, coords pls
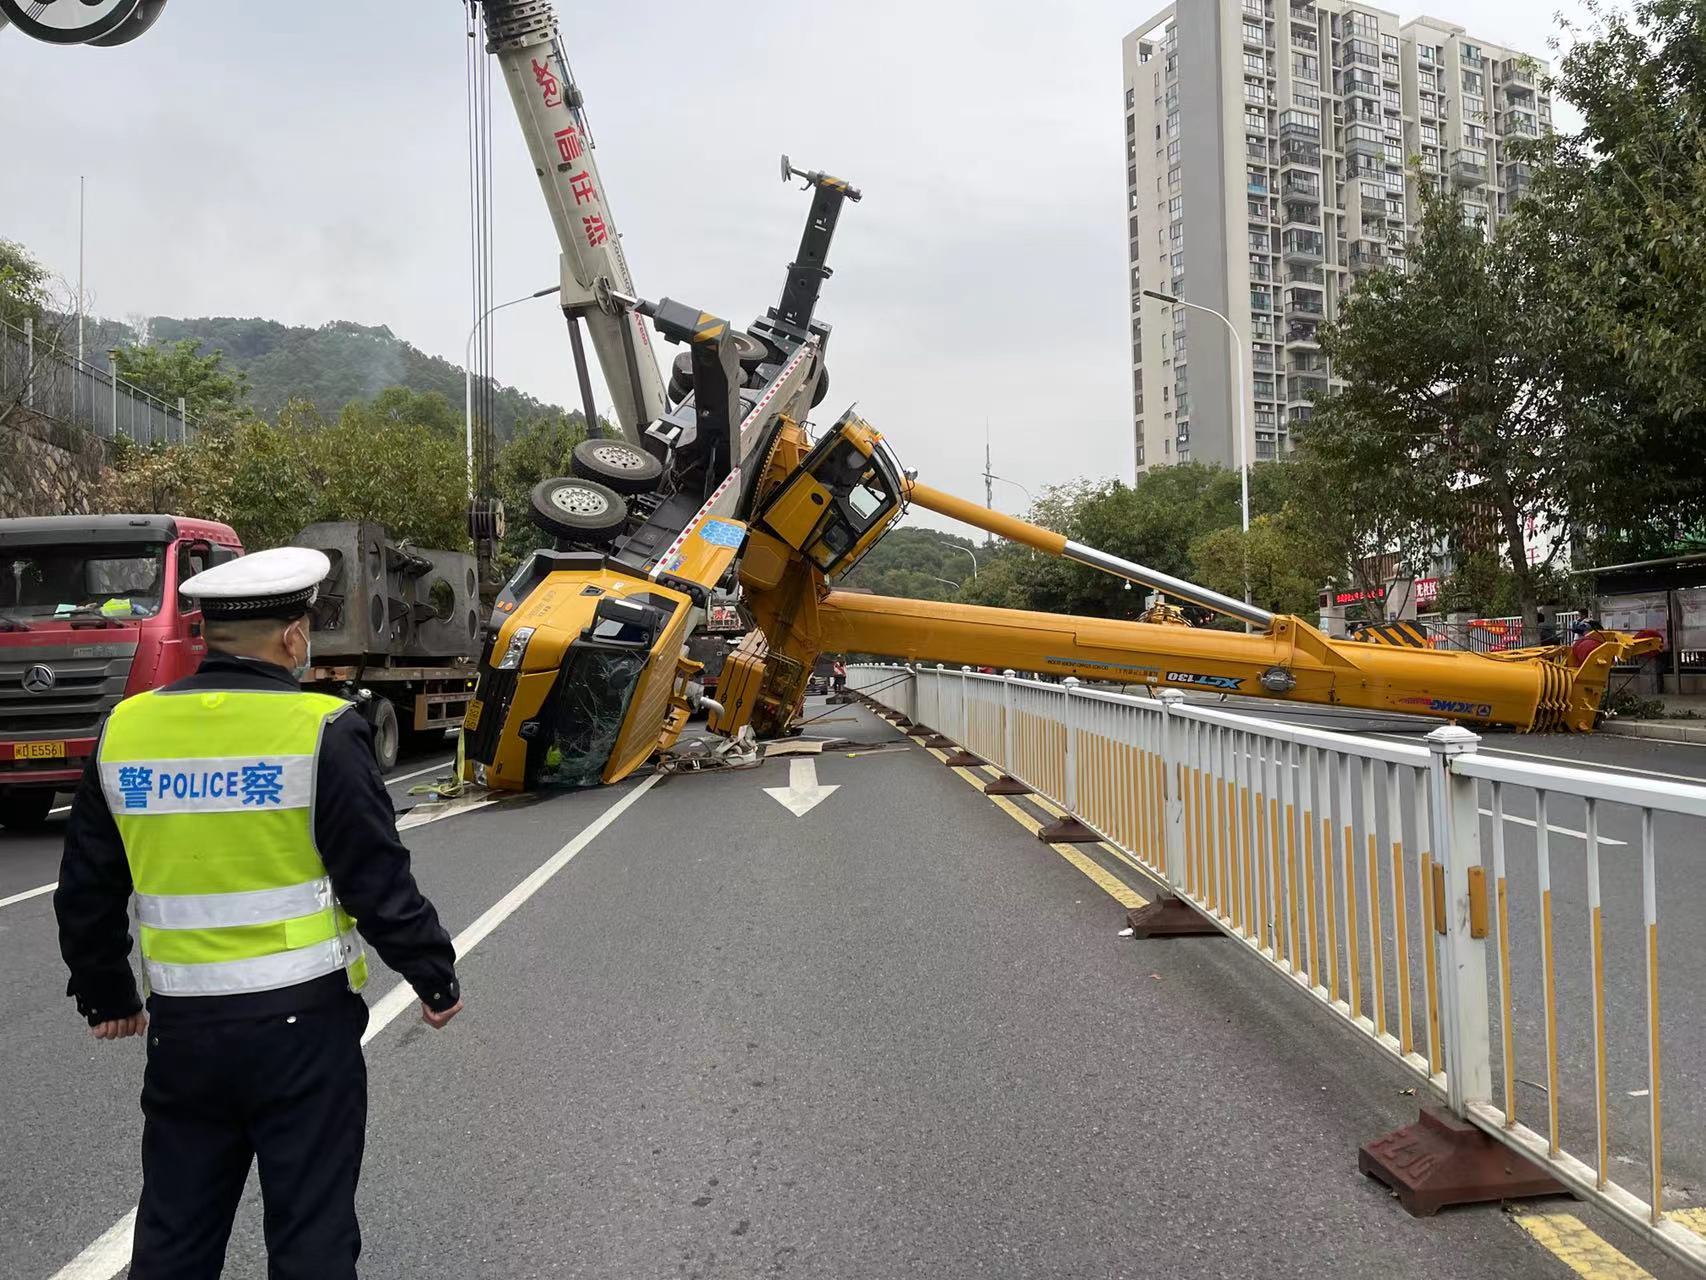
(25, 808)
(621, 466)
(578, 510)
(387, 735)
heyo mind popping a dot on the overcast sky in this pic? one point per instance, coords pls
(305, 162)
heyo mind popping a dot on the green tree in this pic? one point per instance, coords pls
(23, 285)
(918, 564)
(1285, 563)
(179, 369)
(405, 407)
(1613, 226)
(1453, 407)
(540, 448)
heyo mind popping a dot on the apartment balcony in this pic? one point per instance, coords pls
(1517, 177)
(1305, 275)
(1301, 130)
(1469, 168)
(1297, 153)
(1303, 246)
(1298, 416)
(1303, 38)
(1301, 215)
(1262, 361)
(1367, 257)
(1305, 390)
(1302, 333)
(1298, 186)
(1304, 304)
(1305, 13)
(1517, 72)
(1357, 143)
(1357, 87)
(1518, 124)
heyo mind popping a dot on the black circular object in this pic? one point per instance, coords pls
(25, 808)
(616, 464)
(681, 377)
(139, 22)
(822, 386)
(71, 21)
(387, 734)
(577, 510)
(752, 350)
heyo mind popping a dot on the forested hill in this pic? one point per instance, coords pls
(330, 366)
(917, 563)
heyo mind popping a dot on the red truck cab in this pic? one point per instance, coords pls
(89, 614)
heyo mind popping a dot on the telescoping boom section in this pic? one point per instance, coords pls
(1286, 659)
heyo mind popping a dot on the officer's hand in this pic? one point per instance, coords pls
(120, 1028)
(437, 1021)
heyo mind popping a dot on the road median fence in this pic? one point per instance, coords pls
(1489, 922)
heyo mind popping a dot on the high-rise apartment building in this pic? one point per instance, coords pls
(1267, 170)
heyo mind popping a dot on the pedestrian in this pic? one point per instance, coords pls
(838, 676)
(1586, 640)
(250, 821)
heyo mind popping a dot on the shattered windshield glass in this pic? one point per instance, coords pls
(587, 710)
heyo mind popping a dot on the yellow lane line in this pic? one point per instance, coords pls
(1693, 1219)
(1579, 1247)
(1105, 880)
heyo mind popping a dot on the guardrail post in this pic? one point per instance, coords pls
(29, 362)
(1443, 1159)
(963, 758)
(1007, 784)
(937, 739)
(1069, 828)
(1457, 827)
(1170, 916)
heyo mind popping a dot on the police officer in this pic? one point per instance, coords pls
(249, 821)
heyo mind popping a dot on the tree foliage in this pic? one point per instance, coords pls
(1454, 422)
(540, 448)
(1613, 226)
(24, 293)
(919, 564)
(175, 370)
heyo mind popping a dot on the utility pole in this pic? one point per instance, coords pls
(81, 181)
(988, 483)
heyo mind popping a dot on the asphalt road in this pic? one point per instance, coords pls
(896, 1036)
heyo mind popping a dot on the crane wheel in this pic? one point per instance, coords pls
(617, 465)
(577, 510)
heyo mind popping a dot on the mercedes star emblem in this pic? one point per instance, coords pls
(40, 679)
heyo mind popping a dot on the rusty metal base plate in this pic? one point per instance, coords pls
(963, 760)
(1006, 785)
(1168, 918)
(1441, 1161)
(940, 742)
(1068, 830)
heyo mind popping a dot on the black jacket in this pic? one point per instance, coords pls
(355, 828)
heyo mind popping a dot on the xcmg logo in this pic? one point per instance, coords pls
(1445, 706)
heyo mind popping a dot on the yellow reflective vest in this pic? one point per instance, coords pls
(213, 794)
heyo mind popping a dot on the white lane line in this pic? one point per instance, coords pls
(109, 1255)
(1554, 828)
(29, 893)
(404, 777)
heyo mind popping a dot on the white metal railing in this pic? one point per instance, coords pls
(36, 374)
(1357, 867)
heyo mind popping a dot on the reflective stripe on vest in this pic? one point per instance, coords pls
(213, 795)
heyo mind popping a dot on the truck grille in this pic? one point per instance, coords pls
(495, 692)
(84, 690)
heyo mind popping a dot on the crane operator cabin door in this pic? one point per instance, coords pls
(839, 501)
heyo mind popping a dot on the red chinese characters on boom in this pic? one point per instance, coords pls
(547, 80)
(595, 230)
(569, 144)
(581, 184)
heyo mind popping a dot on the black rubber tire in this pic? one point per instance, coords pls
(596, 515)
(25, 808)
(387, 733)
(822, 387)
(681, 377)
(617, 464)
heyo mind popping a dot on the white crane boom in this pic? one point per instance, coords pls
(524, 37)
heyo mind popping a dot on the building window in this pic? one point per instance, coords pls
(1172, 153)
(1256, 64)
(1130, 99)
(1252, 33)
(1176, 207)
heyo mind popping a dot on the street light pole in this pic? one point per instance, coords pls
(1244, 394)
(969, 552)
(468, 371)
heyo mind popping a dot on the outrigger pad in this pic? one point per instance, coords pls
(1169, 917)
(1440, 1161)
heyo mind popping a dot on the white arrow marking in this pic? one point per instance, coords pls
(803, 793)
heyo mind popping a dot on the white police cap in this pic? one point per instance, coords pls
(278, 583)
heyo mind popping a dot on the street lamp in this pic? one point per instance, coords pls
(1029, 496)
(468, 371)
(946, 582)
(1244, 394)
(969, 552)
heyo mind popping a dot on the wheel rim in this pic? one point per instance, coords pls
(618, 458)
(579, 501)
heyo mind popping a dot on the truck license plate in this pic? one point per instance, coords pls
(38, 751)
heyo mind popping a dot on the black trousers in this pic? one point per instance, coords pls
(289, 1091)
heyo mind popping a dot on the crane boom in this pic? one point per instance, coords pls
(523, 35)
